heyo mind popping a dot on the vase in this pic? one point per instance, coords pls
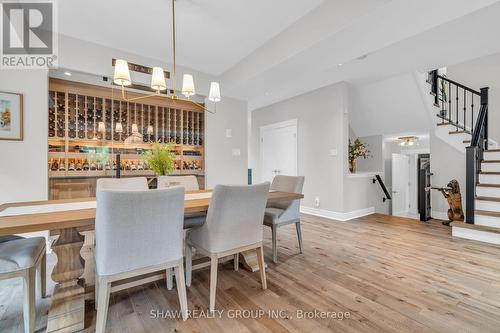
(353, 165)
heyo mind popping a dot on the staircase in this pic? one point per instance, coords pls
(463, 113)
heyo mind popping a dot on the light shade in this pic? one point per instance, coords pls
(119, 128)
(100, 127)
(122, 74)
(214, 95)
(135, 129)
(150, 130)
(158, 79)
(188, 85)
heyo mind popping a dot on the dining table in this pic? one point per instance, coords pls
(70, 219)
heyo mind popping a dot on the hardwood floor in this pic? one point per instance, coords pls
(389, 274)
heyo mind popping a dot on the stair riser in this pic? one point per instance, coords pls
(492, 155)
(491, 206)
(490, 167)
(488, 221)
(488, 192)
(489, 179)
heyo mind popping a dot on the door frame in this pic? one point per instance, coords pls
(273, 126)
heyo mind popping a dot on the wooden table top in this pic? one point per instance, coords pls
(85, 217)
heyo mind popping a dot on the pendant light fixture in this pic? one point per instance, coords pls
(158, 84)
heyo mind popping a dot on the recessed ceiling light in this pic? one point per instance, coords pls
(67, 73)
(340, 65)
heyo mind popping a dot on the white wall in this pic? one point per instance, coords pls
(23, 164)
(446, 164)
(222, 165)
(480, 73)
(320, 117)
(375, 161)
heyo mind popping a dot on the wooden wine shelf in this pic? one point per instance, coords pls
(76, 109)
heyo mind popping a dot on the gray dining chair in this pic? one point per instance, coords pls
(189, 183)
(20, 257)
(137, 232)
(131, 183)
(234, 225)
(279, 214)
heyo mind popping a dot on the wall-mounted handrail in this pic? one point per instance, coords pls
(382, 185)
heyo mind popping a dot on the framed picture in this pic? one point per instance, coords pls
(11, 116)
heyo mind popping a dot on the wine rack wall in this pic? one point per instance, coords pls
(84, 137)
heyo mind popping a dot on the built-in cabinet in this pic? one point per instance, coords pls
(89, 125)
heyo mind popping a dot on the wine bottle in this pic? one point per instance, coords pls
(86, 166)
(71, 166)
(78, 166)
(93, 166)
(62, 166)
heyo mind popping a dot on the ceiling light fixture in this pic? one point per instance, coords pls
(67, 73)
(122, 78)
(408, 141)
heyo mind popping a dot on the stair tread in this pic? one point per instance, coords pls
(492, 151)
(459, 132)
(494, 199)
(488, 185)
(490, 161)
(487, 213)
(489, 173)
(475, 227)
(445, 124)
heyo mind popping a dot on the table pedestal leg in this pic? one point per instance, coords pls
(250, 261)
(67, 310)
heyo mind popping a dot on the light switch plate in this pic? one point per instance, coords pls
(229, 133)
(236, 152)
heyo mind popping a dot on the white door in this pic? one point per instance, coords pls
(278, 146)
(400, 184)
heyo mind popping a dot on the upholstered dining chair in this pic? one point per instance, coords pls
(131, 184)
(190, 183)
(234, 225)
(137, 232)
(279, 214)
(20, 257)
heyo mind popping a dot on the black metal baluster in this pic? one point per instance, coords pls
(472, 115)
(449, 102)
(465, 108)
(456, 120)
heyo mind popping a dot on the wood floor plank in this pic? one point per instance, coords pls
(389, 274)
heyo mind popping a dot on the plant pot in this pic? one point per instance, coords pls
(352, 166)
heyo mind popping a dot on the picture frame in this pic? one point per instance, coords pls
(11, 116)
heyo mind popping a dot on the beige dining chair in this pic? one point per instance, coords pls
(137, 232)
(234, 225)
(131, 183)
(279, 214)
(189, 183)
(20, 257)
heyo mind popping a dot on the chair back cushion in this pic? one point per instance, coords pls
(292, 184)
(138, 229)
(190, 183)
(132, 183)
(234, 218)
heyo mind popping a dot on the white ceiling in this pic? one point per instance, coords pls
(212, 35)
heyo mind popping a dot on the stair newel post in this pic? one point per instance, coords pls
(449, 102)
(470, 183)
(484, 101)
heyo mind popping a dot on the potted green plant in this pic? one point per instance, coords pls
(357, 149)
(160, 158)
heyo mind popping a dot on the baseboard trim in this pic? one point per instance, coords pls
(439, 215)
(337, 215)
